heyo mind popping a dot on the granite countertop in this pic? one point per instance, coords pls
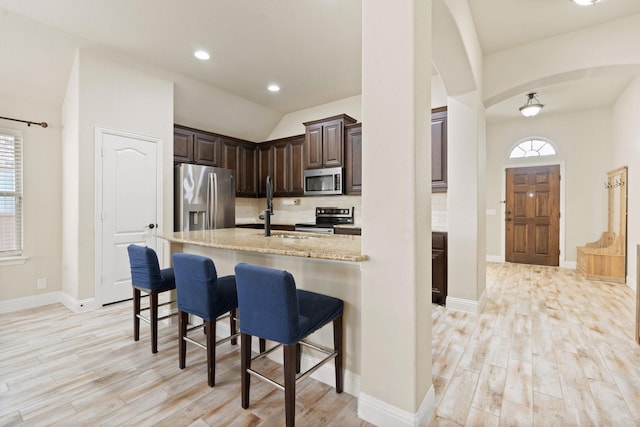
(290, 243)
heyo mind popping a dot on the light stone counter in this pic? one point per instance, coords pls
(290, 243)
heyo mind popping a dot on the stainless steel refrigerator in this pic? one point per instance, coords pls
(204, 197)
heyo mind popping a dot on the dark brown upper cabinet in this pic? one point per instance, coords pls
(193, 146)
(240, 156)
(439, 150)
(353, 159)
(324, 142)
(283, 160)
(206, 150)
(182, 145)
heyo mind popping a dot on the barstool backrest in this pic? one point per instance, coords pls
(196, 284)
(268, 303)
(145, 270)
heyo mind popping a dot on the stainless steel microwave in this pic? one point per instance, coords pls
(323, 182)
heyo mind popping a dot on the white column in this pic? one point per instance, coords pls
(396, 384)
(466, 202)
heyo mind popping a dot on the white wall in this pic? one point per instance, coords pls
(41, 202)
(587, 153)
(114, 96)
(292, 123)
(626, 152)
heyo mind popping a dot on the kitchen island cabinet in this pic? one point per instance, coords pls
(439, 267)
(325, 264)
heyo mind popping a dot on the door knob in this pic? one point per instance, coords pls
(151, 226)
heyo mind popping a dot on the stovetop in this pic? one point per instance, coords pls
(327, 217)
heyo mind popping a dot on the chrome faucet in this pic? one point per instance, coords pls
(269, 210)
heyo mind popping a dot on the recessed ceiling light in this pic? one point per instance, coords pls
(201, 54)
(585, 2)
(274, 88)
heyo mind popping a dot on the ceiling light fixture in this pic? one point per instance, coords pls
(273, 88)
(585, 2)
(201, 54)
(532, 106)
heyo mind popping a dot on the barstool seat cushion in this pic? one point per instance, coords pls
(291, 320)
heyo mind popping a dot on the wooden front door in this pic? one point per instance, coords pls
(532, 215)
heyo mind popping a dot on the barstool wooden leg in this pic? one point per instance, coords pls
(183, 319)
(337, 345)
(211, 351)
(136, 313)
(290, 356)
(245, 363)
(153, 319)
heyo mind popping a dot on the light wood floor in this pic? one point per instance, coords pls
(550, 349)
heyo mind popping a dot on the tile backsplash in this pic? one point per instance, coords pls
(248, 210)
(439, 218)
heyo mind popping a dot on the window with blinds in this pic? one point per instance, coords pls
(10, 195)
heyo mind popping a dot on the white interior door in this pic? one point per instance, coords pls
(129, 207)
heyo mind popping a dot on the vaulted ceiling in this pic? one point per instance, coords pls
(310, 48)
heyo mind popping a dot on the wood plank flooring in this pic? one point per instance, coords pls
(549, 349)
(64, 369)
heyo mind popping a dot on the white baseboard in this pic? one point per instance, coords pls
(632, 283)
(494, 258)
(568, 264)
(39, 300)
(382, 414)
(79, 306)
(466, 305)
(33, 301)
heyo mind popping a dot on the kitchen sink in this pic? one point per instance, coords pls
(290, 236)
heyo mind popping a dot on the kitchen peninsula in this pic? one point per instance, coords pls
(327, 264)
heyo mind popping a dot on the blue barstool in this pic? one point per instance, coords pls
(202, 293)
(147, 277)
(272, 308)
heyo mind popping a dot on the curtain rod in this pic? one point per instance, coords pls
(29, 123)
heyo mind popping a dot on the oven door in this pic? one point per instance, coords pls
(313, 228)
(323, 182)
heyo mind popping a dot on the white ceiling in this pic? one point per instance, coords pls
(310, 47)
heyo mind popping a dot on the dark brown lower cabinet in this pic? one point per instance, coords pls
(438, 267)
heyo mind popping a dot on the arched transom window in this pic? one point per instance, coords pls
(532, 148)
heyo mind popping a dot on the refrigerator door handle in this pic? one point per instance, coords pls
(214, 178)
(207, 213)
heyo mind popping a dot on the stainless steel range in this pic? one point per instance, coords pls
(326, 218)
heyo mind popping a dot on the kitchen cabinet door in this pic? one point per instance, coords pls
(439, 268)
(182, 146)
(353, 159)
(332, 144)
(297, 166)
(207, 149)
(265, 166)
(439, 150)
(247, 170)
(313, 147)
(281, 165)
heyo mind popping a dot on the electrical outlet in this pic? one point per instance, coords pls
(42, 283)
